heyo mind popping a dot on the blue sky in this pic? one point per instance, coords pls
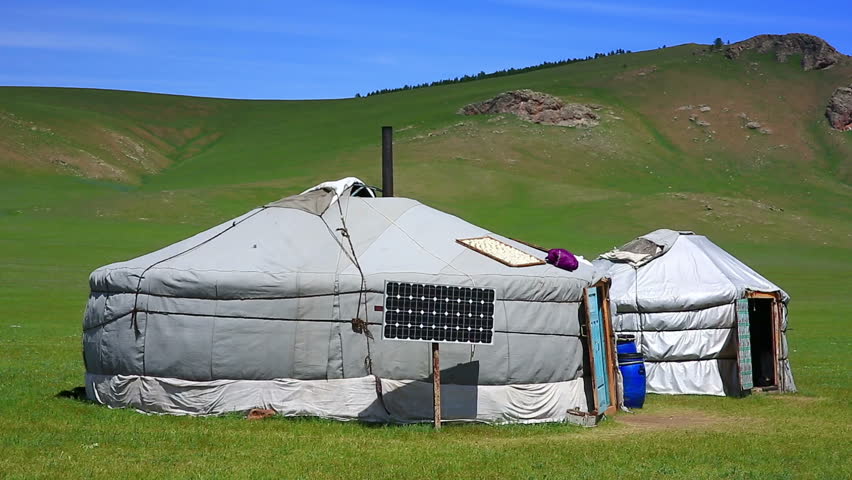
(330, 49)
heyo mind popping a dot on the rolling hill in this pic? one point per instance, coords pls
(645, 148)
(89, 177)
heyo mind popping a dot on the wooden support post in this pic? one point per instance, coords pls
(436, 384)
(612, 355)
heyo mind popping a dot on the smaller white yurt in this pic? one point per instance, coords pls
(705, 322)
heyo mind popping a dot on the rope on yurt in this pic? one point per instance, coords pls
(133, 323)
(359, 325)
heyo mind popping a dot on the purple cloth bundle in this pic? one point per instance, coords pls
(561, 258)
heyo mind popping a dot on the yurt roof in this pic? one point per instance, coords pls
(300, 245)
(667, 270)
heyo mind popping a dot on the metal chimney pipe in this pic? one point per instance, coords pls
(387, 161)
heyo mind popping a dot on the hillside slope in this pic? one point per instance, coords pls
(656, 145)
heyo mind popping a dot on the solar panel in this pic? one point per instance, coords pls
(438, 313)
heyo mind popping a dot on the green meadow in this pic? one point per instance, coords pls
(89, 177)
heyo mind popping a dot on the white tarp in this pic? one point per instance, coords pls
(342, 399)
(338, 186)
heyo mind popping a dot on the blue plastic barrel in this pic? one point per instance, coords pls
(625, 344)
(632, 366)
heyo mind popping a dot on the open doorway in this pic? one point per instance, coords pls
(762, 321)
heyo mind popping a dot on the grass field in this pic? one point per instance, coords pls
(781, 202)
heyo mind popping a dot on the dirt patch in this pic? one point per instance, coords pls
(637, 73)
(157, 142)
(795, 399)
(260, 413)
(131, 154)
(199, 145)
(677, 420)
(671, 420)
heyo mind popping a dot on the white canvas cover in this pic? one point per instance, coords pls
(679, 302)
(257, 312)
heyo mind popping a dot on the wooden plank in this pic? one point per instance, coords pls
(461, 241)
(777, 316)
(591, 348)
(583, 419)
(601, 347)
(610, 345)
(436, 384)
(744, 365)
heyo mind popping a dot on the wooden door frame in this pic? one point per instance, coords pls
(602, 287)
(776, 317)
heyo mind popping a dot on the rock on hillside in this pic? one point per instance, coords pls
(536, 107)
(839, 109)
(816, 53)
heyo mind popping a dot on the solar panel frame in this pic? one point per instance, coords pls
(429, 314)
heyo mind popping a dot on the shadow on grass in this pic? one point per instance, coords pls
(76, 393)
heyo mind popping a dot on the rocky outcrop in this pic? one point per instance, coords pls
(816, 53)
(536, 107)
(839, 109)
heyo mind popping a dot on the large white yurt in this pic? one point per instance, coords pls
(705, 322)
(282, 308)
